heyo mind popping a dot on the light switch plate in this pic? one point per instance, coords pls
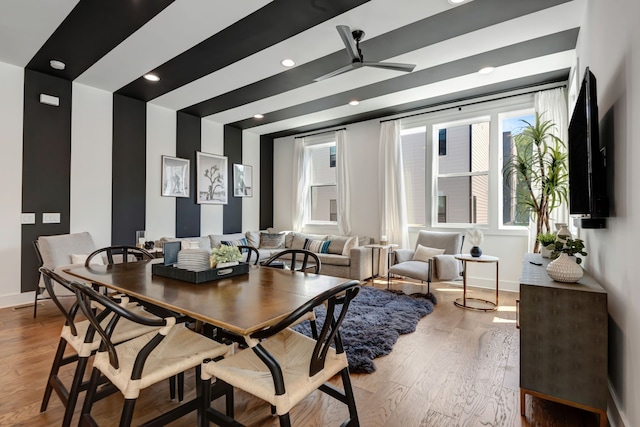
(51, 218)
(28, 218)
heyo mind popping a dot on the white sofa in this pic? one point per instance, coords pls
(354, 262)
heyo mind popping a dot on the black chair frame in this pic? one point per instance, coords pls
(85, 297)
(336, 302)
(250, 250)
(305, 264)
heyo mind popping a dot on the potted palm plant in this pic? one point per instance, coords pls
(536, 173)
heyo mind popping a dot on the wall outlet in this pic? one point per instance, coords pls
(51, 218)
(28, 218)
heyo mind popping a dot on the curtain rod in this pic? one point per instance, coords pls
(320, 133)
(473, 103)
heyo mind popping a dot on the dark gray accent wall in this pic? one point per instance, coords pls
(266, 182)
(46, 163)
(129, 164)
(188, 213)
(232, 212)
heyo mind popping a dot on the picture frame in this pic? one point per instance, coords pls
(211, 179)
(242, 180)
(175, 177)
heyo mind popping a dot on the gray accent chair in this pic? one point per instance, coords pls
(439, 268)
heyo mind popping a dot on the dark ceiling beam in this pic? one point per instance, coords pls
(90, 31)
(547, 45)
(265, 27)
(467, 95)
(444, 26)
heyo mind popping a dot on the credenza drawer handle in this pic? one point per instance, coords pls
(517, 314)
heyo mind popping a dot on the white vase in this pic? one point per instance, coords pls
(565, 269)
(562, 232)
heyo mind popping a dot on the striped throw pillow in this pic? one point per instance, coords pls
(239, 242)
(317, 246)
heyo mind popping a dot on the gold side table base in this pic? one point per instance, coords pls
(475, 304)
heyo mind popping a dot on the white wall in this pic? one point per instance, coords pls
(11, 102)
(251, 205)
(609, 43)
(91, 147)
(161, 141)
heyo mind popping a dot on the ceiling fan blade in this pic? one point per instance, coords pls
(347, 39)
(391, 66)
(336, 72)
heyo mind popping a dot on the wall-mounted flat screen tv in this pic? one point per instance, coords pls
(587, 159)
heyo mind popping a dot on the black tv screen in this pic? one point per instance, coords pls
(587, 158)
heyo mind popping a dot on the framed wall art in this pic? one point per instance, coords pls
(242, 180)
(211, 179)
(175, 177)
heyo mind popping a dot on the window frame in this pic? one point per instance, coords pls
(314, 143)
(456, 114)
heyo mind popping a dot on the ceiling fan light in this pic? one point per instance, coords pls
(288, 62)
(486, 70)
(151, 77)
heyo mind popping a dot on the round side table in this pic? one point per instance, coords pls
(476, 303)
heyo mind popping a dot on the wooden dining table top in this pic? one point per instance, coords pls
(241, 304)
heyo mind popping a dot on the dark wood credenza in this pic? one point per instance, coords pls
(563, 339)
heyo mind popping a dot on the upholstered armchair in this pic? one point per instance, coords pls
(432, 259)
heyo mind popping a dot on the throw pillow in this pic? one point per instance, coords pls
(424, 253)
(317, 246)
(271, 241)
(81, 258)
(190, 244)
(239, 242)
(350, 244)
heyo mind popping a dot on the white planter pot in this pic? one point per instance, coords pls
(565, 269)
(544, 252)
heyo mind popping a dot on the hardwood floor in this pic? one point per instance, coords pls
(459, 368)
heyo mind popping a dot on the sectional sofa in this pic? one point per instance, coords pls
(341, 256)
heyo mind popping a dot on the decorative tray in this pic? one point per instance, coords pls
(199, 276)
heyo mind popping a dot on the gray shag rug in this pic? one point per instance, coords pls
(375, 320)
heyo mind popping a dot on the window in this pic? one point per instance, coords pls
(510, 124)
(453, 160)
(322, 182)
(462, 180)
(413, 144)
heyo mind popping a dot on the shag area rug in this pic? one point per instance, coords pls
(375, 320)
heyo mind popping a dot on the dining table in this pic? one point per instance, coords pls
(241, 304)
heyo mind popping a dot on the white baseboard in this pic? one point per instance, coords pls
(16, 299)
(614, 413)
(480, 282)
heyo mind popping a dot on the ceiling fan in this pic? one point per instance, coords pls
(351, 40)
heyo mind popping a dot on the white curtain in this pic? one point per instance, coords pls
(300, 209)
(552, 105)
(393, 206)
(343, 184)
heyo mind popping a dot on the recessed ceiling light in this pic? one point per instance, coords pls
(258, 116)
(486, 70)
(288, 62)
(354, 102)
(151, 77)
(57, 65)
(456, 1)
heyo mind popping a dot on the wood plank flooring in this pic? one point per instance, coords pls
(459, 368)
